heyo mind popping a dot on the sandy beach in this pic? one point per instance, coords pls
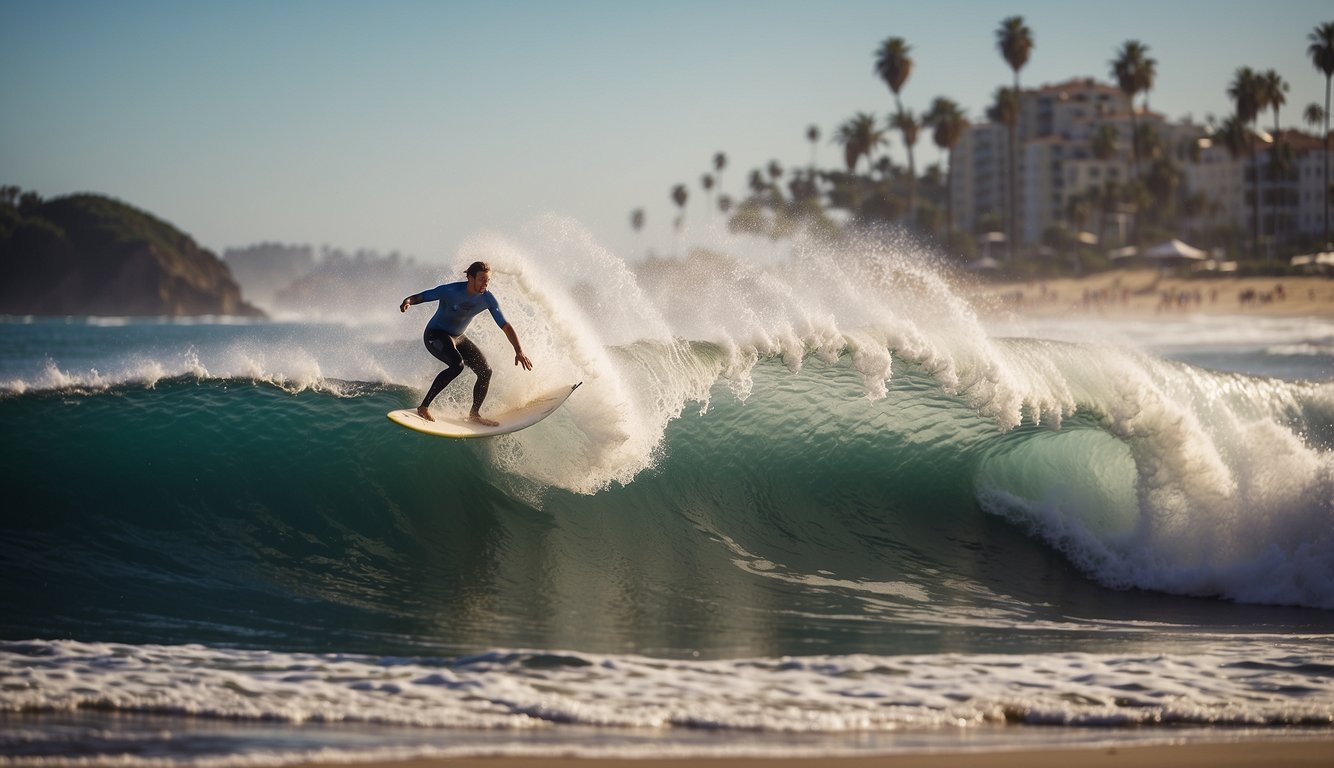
(1272, 754)
(1147, 293)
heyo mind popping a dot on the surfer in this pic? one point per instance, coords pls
(459, 304)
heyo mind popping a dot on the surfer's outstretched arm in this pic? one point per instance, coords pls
(519, 357)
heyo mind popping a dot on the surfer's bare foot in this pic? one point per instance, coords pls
(480, 419)
(425, 413)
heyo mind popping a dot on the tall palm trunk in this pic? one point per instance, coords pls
(1014, 172)
(1327, 241)
(1134, 171)
(949, 197)
(1015, 41)
(1255, 204)
(909, 131)
(1273, 191)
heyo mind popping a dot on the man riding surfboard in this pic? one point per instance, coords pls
(444, 339)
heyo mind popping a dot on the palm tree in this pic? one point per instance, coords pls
(706, 181)
(907, 124)
(679, 196)
(1247, 92)
(1078, 209)
(1104, 142)
(1274, 89)
(948, 123)
(1106, 201)
(637, 219)
(1314, 116)
(1104, 145)
(1150, 142)
(1015, 41)
(859, 138)
(1133, 71)
(1321, 52)
(813, 136)
(719, 163)
(1231, 135)
(894, 65)
(1005, 111)
(1162, 182)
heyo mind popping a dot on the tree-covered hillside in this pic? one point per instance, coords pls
(91, 255)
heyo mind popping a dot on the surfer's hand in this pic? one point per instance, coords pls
(522, 359)
(406, 303)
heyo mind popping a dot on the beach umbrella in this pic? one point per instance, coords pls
(1175, 249)
(1315, 262)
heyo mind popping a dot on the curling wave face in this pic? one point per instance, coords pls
(831, 421)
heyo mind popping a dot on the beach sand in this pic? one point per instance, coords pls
(1146, 293)
(1271, 754)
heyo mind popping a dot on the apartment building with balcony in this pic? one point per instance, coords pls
(1056, 164)
(1054, 128)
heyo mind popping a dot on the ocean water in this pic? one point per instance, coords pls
(805, 502)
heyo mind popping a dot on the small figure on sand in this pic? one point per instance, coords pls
(459, 304)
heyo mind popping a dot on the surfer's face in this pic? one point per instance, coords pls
(478, 282)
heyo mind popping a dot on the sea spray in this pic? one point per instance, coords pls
(1194, 528)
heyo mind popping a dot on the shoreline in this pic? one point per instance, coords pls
(1146, 293)
(1301, 752)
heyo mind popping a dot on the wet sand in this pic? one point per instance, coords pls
(1271, 754)
(1146, 293)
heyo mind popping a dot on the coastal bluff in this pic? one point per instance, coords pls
(87, 254)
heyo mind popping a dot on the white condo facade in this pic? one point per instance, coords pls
(1056, 163)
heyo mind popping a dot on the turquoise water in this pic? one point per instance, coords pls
(885, 536)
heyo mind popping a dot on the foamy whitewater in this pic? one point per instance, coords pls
(805, 502)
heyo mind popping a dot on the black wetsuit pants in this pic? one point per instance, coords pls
(456, 354)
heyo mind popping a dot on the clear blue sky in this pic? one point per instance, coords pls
(408, 126)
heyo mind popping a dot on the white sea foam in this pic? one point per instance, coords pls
(1179, 332)
(633, 334)
(1227, 500)
(1256, 682)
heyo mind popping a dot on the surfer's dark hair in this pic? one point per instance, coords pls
(477, 266)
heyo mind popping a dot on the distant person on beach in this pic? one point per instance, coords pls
(459, 304)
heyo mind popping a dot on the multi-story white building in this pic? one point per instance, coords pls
(1220, 178)
(1292, 199)
(1055, 127)
(980, 175)
(1306, 190)
(1056, 162)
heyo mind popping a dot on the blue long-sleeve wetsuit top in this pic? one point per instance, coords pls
(458, 307)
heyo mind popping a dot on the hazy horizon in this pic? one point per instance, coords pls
(409, 127)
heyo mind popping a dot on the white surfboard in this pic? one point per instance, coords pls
(510, 421)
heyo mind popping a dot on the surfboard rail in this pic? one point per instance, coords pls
(463, 428)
